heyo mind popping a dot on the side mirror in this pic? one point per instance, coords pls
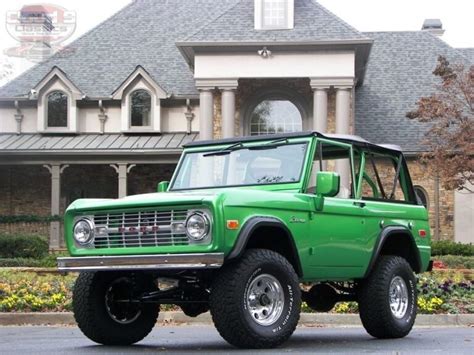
(327, 185)
(163, 186)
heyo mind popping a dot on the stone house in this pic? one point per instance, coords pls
(108, 115)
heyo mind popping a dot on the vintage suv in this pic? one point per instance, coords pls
(248, 228)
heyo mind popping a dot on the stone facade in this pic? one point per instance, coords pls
(445, 205)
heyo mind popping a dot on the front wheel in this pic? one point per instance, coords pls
(255, 302)
(105, 311)
(388, 298)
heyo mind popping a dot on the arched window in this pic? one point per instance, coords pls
(275, 116)
(57, 109)
(422, 195)
(140, 108)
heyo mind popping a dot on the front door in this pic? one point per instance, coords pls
(338, 231)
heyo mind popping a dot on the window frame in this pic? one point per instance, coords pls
(130, 110)
(46, 108)
(316, 157)
(289, 184)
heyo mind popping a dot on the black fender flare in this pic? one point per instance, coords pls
(261, 221)
(383, 237)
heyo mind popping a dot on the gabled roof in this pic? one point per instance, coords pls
(143, 33)
(313, 22)
(399, 72)
(139, 73)
(57, 73)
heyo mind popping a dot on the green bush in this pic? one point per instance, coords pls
(446, 247)
(23, 246)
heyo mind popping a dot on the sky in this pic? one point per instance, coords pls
(364, 15)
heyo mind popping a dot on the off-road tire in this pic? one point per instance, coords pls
(374, 305)
(92, 317)
(228, 302)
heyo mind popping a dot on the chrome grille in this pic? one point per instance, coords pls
(139, 229)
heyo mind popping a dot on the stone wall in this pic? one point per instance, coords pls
(420, 177)
(25, 190)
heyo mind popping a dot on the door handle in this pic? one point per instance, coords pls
(360, 204)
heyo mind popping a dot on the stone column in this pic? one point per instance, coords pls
(206, 113)
(320, 109)
(122, 171)
(343, 114)
(55, 227)
(228, 112)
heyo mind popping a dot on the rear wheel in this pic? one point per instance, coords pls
(388, 298)
(104, 310)
(255, 302)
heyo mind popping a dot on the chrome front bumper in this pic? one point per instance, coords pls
(141, 262)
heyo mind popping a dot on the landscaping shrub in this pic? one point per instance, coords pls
(23, 246)
(456, 261)
(446, 247)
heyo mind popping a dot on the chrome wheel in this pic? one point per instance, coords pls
(398, 297)
(265, 299)
(118, 302)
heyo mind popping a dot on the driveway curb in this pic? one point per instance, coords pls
(307, 319)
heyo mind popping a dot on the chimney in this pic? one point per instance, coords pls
(434, 26)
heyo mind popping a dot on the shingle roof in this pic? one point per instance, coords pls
(399, 72)
(468, 53)
(143, 33)
(92, 143)
(312, 22)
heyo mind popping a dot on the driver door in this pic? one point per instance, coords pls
(338, 240)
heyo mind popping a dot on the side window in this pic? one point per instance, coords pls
(330, 157)
(381, 178)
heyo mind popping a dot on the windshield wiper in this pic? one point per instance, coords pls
(226, 150)
(270, 145)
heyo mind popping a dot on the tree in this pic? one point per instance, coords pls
(450, 138)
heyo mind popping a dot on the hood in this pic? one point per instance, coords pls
(144, 200)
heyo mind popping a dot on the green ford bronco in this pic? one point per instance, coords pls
(248, 229)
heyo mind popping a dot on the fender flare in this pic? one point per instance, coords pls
(383, 237)
(260, 221)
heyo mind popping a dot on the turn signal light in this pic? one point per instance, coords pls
(232, 224)
(422, 233)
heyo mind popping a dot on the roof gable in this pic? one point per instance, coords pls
(139, 74)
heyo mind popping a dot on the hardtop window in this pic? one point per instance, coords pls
(241, 166)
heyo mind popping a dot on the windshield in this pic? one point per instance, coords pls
(240, 166)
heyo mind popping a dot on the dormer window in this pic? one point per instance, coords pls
(140, 108)
(274, 14)
(57, 107)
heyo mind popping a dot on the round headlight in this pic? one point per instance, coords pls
(197, 226)
(84, 231)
